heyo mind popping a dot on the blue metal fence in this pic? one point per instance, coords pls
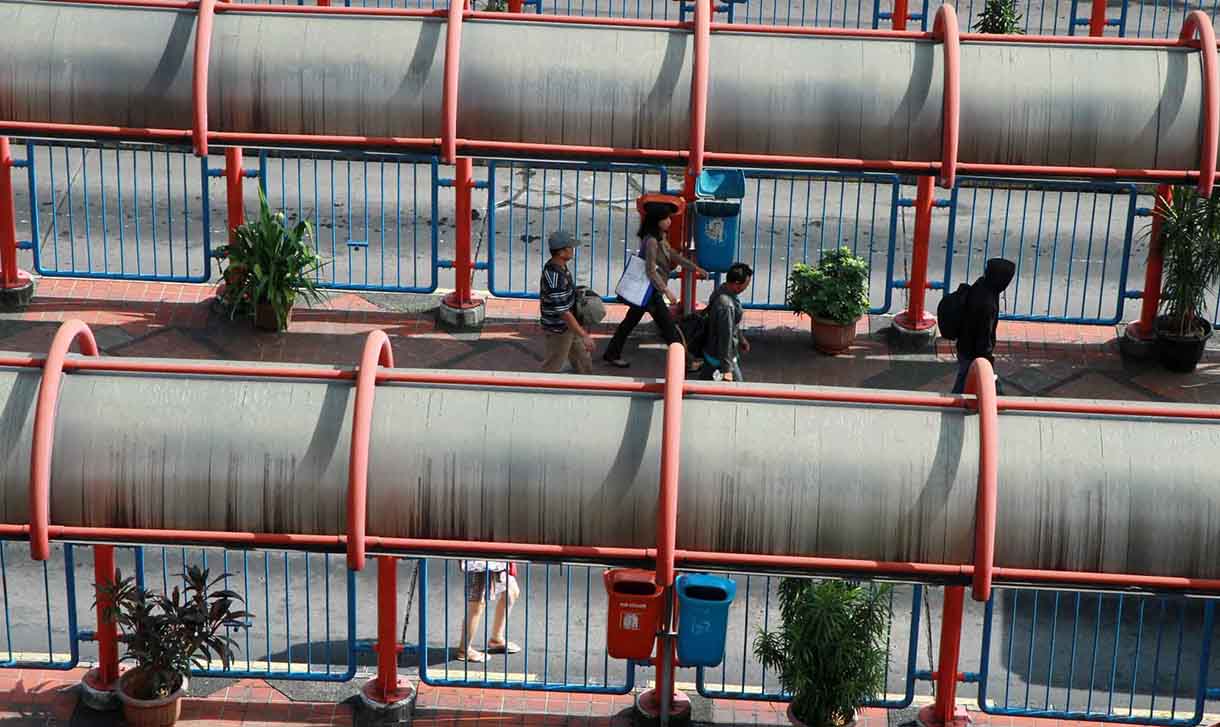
(741, 676)
(595, 202)
(374, 216)
(111, 212)
(1071, 242)
(39, 600)
(303, 607)
(1096, 656)
(568, 655)
(798, 216)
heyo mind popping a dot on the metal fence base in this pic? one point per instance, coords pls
(463, 316)
(928, 718)
(904, 338)
(374, 711)
(648, 708)
(18, 298)
(97, 697)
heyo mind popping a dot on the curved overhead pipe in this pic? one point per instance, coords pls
(778, 478)
(614, 89)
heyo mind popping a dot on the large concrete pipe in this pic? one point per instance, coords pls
(1136, 107)
(1076, 492)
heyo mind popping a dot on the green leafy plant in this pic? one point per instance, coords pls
(999, 17)
(1190, 244)
(836, 290)
(166, 634)
(270, 263)
(829, 649)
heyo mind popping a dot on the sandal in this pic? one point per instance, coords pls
(617, 362)
(472, 655)
(507, 648)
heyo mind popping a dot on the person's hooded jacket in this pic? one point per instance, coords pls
(982, 314)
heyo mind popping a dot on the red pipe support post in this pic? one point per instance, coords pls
(385, 688)
(1198, 22)
(199, 80)
(377, 352)
(915, 318)
(944, 710)
(899, 18)
(463, 256)
(945, 30)
(1097, 19)
(43, 442)
(671, 452)
(698, 138)
(1144, 329)
(449, 99)
(107, 630)
(981, 384)
(10, 276)
(234, 198)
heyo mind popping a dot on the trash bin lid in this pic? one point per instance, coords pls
(721, 184)
(706, 588)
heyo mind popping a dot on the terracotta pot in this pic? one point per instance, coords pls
(264, 318)
(793, 719)
(161, 712)
(832, 338)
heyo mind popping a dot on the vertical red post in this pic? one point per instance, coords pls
(899, 18)
(1097, 19)
(1144, 328)
(915, 317)
(516, 6)
(462, 263)
(387, 618)
(944, 710)
(234, 198)
(107, 632)
(9, 276)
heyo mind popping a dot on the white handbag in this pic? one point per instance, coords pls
(634, 287)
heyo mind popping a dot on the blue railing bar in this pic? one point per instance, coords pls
(357, 243)
(479, 265)
(25, 244)
(909, 202)
(967, 677)
(21, 163)
(1133, 294)
(1143, 211)
(887, 15)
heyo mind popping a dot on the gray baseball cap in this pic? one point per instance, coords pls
(560, 239)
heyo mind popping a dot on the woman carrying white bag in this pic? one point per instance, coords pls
(644, 286)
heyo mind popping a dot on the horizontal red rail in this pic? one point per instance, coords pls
(377, 351)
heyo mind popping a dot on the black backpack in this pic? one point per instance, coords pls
(694, 329)
(951, 312)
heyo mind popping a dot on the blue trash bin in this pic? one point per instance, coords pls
(703, 618)
(718, 195)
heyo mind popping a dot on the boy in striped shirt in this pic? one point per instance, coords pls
(566, 339)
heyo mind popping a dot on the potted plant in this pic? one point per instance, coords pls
(165, 635)
(829, 649)
(834, 295)
(270, 265)
(999, 17)
(1190, 246)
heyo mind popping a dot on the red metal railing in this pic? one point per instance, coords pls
(375, 359)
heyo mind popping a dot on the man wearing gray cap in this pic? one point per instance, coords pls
(566, 339)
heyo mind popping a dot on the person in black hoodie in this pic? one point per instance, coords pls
(982, 315)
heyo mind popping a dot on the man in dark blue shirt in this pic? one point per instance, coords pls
(566, 339)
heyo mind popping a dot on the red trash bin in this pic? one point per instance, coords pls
(677, 230)
(635, 611)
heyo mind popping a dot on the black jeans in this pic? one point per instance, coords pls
(660, 314)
